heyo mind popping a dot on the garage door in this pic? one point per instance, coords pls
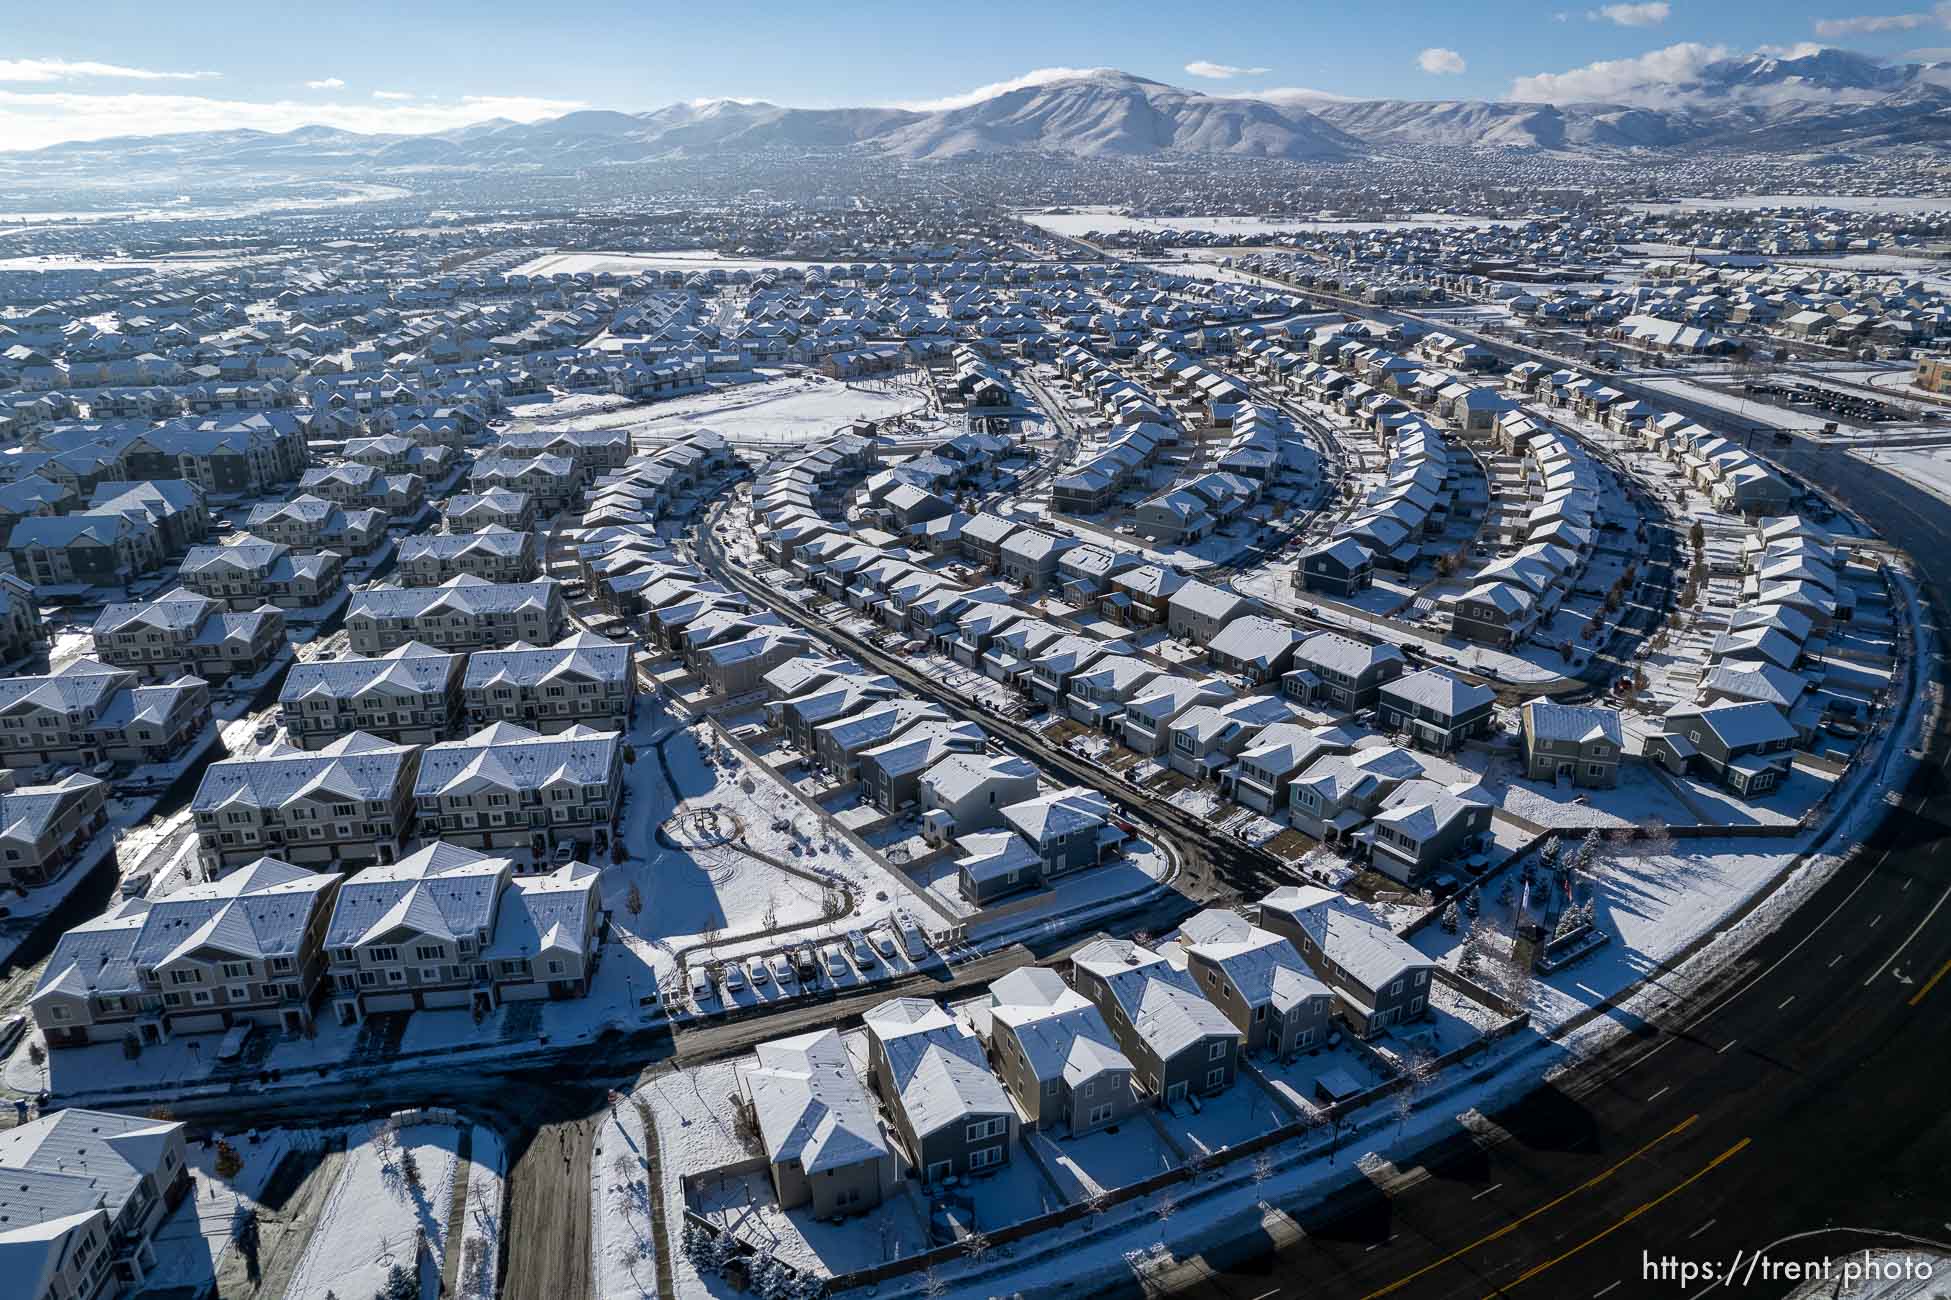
(444, 997)
(208, 1023)
(389, 1002)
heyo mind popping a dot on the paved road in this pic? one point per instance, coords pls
(548, 1217)
(1799, 1093)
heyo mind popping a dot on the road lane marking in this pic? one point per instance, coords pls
(1670, 1192)
(1614, 1287)
(1878, 973)
(1516, 1223)
(1783, 1004)
(1730, 1042)
(1875, 919)
(1833, 960)
(1661, 1093)
(1930, 984)
(1486, 1192)
(1702, 1228)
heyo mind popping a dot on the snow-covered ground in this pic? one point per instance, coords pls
(192, 1242)
(481, 1225)
(780, 411)
(1927, 467)
(375, 1213)
(624, 1252)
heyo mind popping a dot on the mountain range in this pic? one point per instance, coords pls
(1830, 99)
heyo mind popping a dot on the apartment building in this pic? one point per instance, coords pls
(346, 804)
(470, 512)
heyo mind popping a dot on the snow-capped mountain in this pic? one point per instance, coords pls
(1826, 98)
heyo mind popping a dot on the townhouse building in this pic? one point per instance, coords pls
(508, 787)
(495, 554)
(82, 1194)
(464, 613)
(470, 512)
(185, 634)
(244, 949)
(410, 695)
(45, 828)
(582, 680)
(309, 524)
(449, 927)
(246, 572)
(88, 712)
(346, 804)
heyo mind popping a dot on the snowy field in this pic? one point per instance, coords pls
(375, 1213)
(1248, 228)
(1840, 202)
(697, 259)
(782, 410)
(192, 1242)
(1926, 467)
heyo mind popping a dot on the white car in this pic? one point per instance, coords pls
(734, 977)
(782, 970)
(759, 973)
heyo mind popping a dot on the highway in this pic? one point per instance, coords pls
(1797, 1093)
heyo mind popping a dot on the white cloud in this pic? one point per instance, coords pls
(1440, 62)
(1039, 77)
(1300, 96)
(32, 120)
(1651, 14)
(393, 96)
(1222, 71)
(1870, 24)
(1619, 80)
(69, 70)
(325, 83)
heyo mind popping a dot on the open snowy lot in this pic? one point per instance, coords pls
(393, 1187)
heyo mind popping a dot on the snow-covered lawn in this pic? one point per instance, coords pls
(1107, 1159)
(1227, 1119)
(374, 1215)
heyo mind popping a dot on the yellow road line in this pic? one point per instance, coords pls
(1489, 1237)
(1675, 1190)
(1930, 984)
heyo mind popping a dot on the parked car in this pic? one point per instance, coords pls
(782, 970)
(863, 955)
(805, 963)
(734, 977)
(760, 975)
(700, 984)
(836, 964)
(885, 942)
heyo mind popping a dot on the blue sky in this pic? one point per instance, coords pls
(69, 72)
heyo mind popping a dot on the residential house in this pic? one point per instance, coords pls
(1436, 710)
(824, 1144)
(1258, 981)
(582, 680)
(1576, 742)
(1179, 1043)
(1055, 1053)
(952, 1116)
(182, 633)
(1379, 980)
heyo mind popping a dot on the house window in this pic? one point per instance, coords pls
(1216, 1051)
(1259, 1013)
(1100, 1115)
(1396, 987)
(984, 1157)
(1215, 1078)
(986, 1128)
